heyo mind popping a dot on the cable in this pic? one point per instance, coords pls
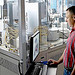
(20, 67)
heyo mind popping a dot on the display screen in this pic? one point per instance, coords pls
(34, 46)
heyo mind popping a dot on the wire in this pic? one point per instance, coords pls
(19, 67)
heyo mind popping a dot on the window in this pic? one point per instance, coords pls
(9, 30)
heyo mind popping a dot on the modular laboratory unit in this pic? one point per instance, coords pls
(19, 20)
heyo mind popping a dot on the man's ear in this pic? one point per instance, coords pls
(73, 17)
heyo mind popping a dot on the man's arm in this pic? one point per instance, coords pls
(73, 71)
(59, 61)
(73, 46)
(61, 58)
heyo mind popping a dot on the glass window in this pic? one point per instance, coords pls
(58, 31)
(9, 29)
(49, 20)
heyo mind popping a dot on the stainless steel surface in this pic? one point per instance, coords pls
(51, 71)
(44, 70)
(40, 72)
(53, 34)
(22, 34)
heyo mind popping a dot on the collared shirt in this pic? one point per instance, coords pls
(69, 54)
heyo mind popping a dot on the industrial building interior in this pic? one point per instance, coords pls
(19, 21)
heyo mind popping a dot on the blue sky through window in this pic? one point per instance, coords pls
(53, 4)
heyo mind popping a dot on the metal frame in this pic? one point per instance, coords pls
(0, 12)
(22, 35)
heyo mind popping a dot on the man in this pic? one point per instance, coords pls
(68, 56)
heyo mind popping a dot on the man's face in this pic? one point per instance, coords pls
(69, 19)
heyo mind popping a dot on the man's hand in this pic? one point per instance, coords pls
(54, 62)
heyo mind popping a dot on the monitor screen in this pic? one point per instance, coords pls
(34, 46)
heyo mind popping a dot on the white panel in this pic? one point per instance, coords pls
(32, 11)
(1, 2)
(15, 10)
(5, 71)
(1, 25)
